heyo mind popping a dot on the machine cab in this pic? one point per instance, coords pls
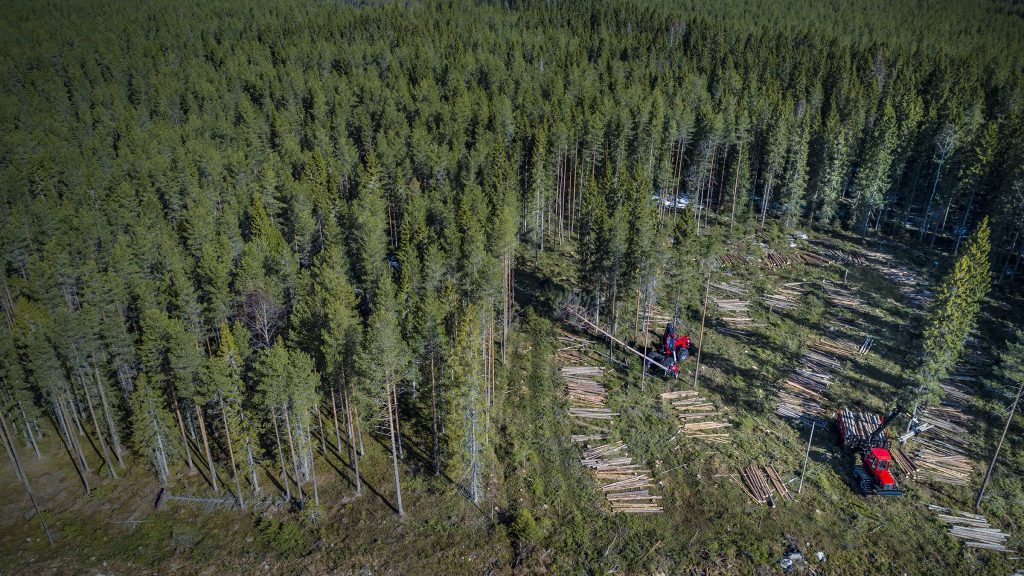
(877, 461)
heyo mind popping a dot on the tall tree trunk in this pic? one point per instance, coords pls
(252, 465)
(394, 450)
(398, 430)
(291, 450)
(206, 447)
(334, 413)
(764, 201)
(280, 456)
(433, 410)
(352, 443)
(114, 438)
(181, 428)
(99, 433)
(735, 188)
(231, 451)
(28, 430)
(995, 455)
(359, 430)
(12, 452)
(928, 206)
(312, 475)
(74, 451)
(320, 427)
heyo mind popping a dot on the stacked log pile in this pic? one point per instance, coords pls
(804, 388)
(762, 484)
(834, 254)
(842, 297)
(858, 425)
(942, 452)
(774, 260)
(813, 259)
(628, 484)
(973, 529)
(910, 284)
(905, 463)
(625, 485)
(582, 389)
(820, 359)
(698, 416)
(787, 296)
(841, 348)
(733, 259)
(942, 463)
(734, 309)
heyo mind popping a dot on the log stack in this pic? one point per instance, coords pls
(858, 425)
(905, 463)
(843, 298)
(942, 464)
(834, 254)
(734, 309)
(628, 485)
(624, 484)
(813, 259)
(582, 389)
(763, 484)
(733, 259)
(698, 416)
(774, 260)
(943, 449)
(841, 348)
(787, 296)
(973, 529)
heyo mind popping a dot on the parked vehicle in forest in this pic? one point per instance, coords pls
(862, 434)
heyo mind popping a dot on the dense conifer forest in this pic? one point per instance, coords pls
(285, 284)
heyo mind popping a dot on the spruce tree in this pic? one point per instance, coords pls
(832, 172)
(954, 314)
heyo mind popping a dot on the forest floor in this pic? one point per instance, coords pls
(709, 524)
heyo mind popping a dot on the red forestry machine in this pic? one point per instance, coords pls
(672, 351)
(862, 434)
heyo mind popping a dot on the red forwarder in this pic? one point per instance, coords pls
(873, 476)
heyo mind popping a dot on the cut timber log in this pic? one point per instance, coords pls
(973, 529)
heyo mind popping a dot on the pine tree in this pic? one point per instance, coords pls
(382, 364)
(340, 333)
(774, 158)
(224, 387)
(468, 450)
(536, 202)
(272, 373)
(954, 315)
(153, 428)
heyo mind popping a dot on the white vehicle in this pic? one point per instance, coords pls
(677, 201)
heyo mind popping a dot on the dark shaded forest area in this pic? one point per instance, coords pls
(297, 260)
